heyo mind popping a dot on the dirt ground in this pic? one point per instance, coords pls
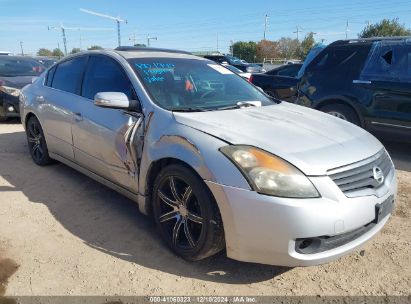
(63, 234)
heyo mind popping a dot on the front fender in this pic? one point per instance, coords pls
(200, 151)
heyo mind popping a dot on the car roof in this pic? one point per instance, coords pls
(17, 57)
(367, 41)
(129, 52)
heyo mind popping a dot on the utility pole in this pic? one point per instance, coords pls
(63, 32)
(217, 43)
(21, 46)
(117, 19)
(346, 31)
(232, 47)
(265, 25)
(133, 38)
(150, 38)
(298, 31)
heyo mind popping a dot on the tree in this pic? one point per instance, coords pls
(267, 49)
(245, 50)
(289, 47)
(44, 52)
(57, 53)
(140, 45)
(75, 50)
(385, 28)
(95, 47)
(307, 44)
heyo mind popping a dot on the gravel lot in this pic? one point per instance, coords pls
(61, 233)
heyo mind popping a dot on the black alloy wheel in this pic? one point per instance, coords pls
(186, 215)
(36, 142)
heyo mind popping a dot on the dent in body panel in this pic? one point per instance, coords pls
(129, 144)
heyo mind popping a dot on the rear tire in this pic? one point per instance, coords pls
(37, 143)
(342, 111)
(186, 215)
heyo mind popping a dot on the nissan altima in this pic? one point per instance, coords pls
(216, 162)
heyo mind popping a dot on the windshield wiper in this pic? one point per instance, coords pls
(242, 104)
(188, 110)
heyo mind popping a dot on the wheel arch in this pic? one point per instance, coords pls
(334, 100)
(27, 117)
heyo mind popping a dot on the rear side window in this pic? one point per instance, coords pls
(105, 75)
(388, 62)
(68, 74)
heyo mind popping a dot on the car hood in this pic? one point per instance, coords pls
(311, 140)
(18, 82)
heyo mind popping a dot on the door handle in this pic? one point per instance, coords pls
(40, 99)
(78, 117)
(361, 81)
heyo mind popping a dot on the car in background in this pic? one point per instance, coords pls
(289, 70)
(237, 71)
(15, 73)
(236, 62)
(5, 53)
(364, 81)
(46, 61)
(217, 163)
(280, 83)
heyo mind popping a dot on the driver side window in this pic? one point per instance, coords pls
(105, 75)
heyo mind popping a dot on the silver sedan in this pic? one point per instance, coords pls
(216, 162)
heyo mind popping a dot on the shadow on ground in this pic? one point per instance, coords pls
(108, 221)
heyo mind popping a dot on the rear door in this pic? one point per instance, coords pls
(59, 102)
(387, 77)
(102, 136)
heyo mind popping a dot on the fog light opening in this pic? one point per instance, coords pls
(309, 245)
(306, 243)
(10, 109)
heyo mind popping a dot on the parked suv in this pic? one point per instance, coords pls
(365, 81)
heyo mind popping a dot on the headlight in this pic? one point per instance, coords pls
(10, 90)
(269, 174)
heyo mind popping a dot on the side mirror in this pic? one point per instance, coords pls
(116, 100)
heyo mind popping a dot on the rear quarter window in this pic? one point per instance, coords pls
(388, 61)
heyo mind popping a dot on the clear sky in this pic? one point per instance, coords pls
(191, 25)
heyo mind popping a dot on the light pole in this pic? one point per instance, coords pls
(150, 38)
(21, 46)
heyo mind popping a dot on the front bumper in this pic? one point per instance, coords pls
(9, 105)
(264, 229)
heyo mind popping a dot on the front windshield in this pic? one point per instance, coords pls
(194, 84)
(310, 57)
(13, 67)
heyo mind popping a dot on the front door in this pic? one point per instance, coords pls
(103, 137)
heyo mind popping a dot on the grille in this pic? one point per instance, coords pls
(360, 176)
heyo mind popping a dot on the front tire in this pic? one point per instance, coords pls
(37, 143)
(186, 214)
